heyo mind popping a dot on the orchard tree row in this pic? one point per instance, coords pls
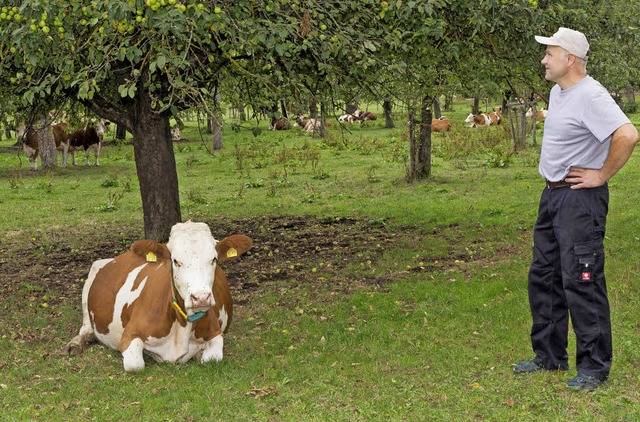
(140, 62)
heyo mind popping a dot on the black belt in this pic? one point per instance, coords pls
(560, 184)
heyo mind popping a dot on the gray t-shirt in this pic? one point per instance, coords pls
(578, 128)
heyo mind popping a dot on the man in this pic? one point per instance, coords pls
(587, 139)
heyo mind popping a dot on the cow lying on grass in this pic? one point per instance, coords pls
(443, 124)
(541, 114)
(170, 301)
(485, 119)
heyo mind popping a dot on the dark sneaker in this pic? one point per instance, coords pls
(584, 383)
(529, 366)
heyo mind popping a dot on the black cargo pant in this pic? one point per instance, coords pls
(567, 278)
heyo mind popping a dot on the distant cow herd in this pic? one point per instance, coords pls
(441, 124)
(89, 137)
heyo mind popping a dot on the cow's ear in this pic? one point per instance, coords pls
(150, 250)
(233, 246)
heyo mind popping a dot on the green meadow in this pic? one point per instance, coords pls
(365, 297)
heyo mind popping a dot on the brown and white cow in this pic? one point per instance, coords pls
(87, 138)
(308, 124)
(29, 139)
(170, 301)
(363, 116)
(280, 124)
(443, 124)
(541, 114)
(485, 119)
(347, 118)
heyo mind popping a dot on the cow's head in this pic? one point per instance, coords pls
(21, 131)
(102, 127)
(193, 260)
(194, 257)
(469, 118)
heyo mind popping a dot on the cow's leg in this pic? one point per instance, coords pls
(81, 341)
(73, 156)
(132, 357)
(87, 154)
(213, 349)
(86, 335)
(98, 146)
(32, 155)
(65, 154)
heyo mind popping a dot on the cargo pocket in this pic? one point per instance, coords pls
(589, 260)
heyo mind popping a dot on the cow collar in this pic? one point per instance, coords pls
(174, 302)
(190, 318)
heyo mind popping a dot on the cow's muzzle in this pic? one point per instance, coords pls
(201, 301)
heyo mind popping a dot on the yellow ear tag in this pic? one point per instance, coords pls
(232, 252)
(151, 257)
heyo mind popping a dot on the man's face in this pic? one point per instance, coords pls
(556, 63)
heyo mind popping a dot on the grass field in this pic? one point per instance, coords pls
(364, 298)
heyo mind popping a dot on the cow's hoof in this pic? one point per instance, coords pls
(72, 349)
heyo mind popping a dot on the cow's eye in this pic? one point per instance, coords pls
(176, 263)
(214, 261)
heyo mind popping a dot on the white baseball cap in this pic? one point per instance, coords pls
(573, 41)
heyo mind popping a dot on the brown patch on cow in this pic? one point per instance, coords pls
(102, 295)
(159, 251)
(60, 133)
(147, 316)
(443, 124)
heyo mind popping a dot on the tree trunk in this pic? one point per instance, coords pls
(436, 109)
(534, 122)
(412, 144)
(518, 122)
(46, 145)
(388, 119)
(630, 105)
(424, 152)
(121, 133)
(322, 129)
(313, 109)
(476, 105)
(179, 121)
(156, 169)
(216, 132)
(630, 94)
(448, 102)
(420, 148)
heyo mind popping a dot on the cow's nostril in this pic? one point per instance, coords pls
(201, 299)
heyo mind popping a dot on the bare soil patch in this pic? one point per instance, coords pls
(289, 252)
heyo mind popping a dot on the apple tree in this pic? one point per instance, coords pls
(138, 62)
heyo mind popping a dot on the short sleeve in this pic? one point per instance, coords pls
(603, 116)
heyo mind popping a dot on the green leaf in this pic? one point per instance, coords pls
(369, 45)
(28, 96)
